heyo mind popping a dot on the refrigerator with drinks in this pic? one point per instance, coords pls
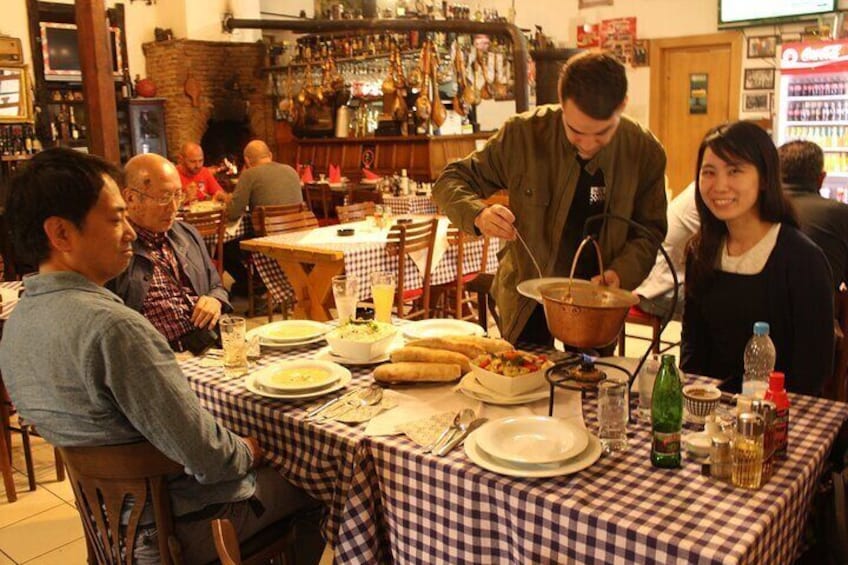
(813, 105)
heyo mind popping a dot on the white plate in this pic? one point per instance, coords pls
(291, 331)
(439, 327)
(370, 181)
(325, 354)
(341, 383)
(530, 287)
(532, 440)
(586, 459)
(331, 372)
(283, 345)
(470, 387)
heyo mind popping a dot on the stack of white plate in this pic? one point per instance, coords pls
(440, 327)
(290, 333)
(533, 446)
(298, 379)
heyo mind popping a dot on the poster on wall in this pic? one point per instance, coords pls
(698, 93)
(617, 36)
(587, 36)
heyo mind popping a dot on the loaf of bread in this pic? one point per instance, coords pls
(411, 372)
(427, 355)
(488, 344)
(469, 351)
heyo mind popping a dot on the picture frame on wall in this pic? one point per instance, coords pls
(762, 46)
(759, 79)
(756, 102)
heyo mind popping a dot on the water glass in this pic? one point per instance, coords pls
(233, 330)
(383, 294)
(346, 295)
(612, 415)
(647, 376)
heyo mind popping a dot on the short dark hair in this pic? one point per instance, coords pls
(57, 182)
(801, 164)
(596, 82)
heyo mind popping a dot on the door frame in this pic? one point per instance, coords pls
(659, 49)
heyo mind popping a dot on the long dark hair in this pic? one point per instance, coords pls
(738, 141)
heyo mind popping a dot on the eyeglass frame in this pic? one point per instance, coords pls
(177, 196)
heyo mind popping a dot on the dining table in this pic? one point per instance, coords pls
(297, 267)
(410, 204)
(390, 502)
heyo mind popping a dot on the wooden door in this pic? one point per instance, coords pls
(679, 119)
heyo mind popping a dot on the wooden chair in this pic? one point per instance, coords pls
(455, 300)
(229, 553)
(257, 219)
(276, 220)
(637, 316)
(407, 238)
(211, 226)
(319, 197)
(357, 195)
(102, 478)
(836, 388)
(355, 212)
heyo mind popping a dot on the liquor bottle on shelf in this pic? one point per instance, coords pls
(72, 124)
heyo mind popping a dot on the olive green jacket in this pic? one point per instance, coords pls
(533, 160)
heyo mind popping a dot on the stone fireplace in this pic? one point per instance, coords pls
(232, 105)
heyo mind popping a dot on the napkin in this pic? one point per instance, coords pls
(440, 246)
(417, 405)
(335, 175)
(367, 174)
(306, 175)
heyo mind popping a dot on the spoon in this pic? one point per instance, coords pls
(371, 396)
(527, 248)
(460, 423)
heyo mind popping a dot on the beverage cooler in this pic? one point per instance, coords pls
(813, 105)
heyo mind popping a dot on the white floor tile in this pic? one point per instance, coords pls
(74, 552)
(39, 534)
(5, 559)
(29, 503)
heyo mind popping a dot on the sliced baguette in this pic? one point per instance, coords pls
(428, 355)
(469, 351)
(408, 372)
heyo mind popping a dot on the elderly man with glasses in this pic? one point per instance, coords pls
(171, 279)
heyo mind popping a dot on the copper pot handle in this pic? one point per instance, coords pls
(583, 243)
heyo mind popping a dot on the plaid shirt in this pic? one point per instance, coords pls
(170, 299)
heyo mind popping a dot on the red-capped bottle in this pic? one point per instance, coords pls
(777, 394)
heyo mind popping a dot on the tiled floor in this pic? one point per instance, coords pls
(43, 526)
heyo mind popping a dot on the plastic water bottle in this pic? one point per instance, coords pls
(759, 362)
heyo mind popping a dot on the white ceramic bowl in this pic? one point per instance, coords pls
(510, 386)
(361, 348)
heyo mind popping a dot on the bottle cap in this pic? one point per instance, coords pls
(777, 381)
(749, 425)
(761, 328)
(721, 441)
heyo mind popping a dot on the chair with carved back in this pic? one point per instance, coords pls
(210, 224)
(355, 212)
(229, 552)
(402, 240)
(319, 197)
(256, 219)
(454, 298)
(276, 221)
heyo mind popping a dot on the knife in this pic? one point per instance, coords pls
(458, 438)
(333, 402)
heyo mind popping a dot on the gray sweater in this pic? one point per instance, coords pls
(87, 371)
(268, 184)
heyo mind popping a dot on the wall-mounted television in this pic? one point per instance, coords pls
(743, 13)
(61, 53)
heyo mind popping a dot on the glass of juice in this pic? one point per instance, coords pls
(383, 293)
(346, 295)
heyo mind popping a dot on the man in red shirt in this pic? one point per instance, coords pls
(198, 182)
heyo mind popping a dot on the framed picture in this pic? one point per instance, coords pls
(640, 53)
(762, 46)
(759, 79)
(756, 101)
(593, 3)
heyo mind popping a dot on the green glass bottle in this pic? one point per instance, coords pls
(666, 415)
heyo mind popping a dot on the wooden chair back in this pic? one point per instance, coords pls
(258, 215)
(837, 387)
(211, 226)
(357, 195)
(320, 199)
(274, 223)
(355, 212)
(455, 300)
(408, 238)
(226, 542)
(102, 479)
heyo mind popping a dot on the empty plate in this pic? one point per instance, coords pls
(584, 460)
(440, 327)
(301, 375)
(530, 287)
(291, 331)
(532, 439)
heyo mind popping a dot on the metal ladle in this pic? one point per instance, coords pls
(530, 253)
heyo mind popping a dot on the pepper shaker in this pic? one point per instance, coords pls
(747, 451)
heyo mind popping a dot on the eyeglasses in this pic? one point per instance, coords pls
(164, 199)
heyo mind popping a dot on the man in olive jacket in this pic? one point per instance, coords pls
(560, 165)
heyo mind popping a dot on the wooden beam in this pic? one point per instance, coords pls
(98, 83)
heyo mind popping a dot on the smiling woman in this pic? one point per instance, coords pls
(749, 263)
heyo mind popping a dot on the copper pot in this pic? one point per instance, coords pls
(585, 315)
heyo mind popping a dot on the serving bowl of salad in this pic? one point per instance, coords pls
(511, 373)
(361, 340)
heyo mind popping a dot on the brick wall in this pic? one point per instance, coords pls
(212, 64)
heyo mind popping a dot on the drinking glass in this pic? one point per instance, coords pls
(647, 376)
(233, 330)
(383, 293)
(346, 295)
(612, 415)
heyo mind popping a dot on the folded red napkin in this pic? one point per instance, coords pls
(370, 175)
(306, 175)
(335, 175)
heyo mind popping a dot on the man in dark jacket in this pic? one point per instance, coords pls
(824, 220)
(171, 279)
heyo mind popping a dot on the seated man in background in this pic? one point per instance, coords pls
(171, 279)
(825, 221)
(88, 371)
(655, 292)
(198, 182)
(264, 182)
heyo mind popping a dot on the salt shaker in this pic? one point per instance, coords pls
(720, 457)
(747, 451)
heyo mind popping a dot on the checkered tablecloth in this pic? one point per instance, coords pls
(363, 259)
(6, 306)
(391, 503)
(409, 204)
